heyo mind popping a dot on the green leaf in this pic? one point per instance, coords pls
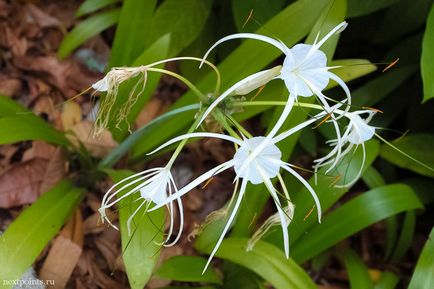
(262, 11)
(248, 58)
(412, 15)
(406, 237)
(359, 8)
(373, 178)
(90, 6)
(140, 249)
(355, 215)
(418, 146)
(29, 127)
(132, 31)
(377, 89)
(155, 52)
(117, 153)
(327, 193)
(183, 20)
(357, 271)
(9, 107)
(87, 29)
(351, 69)
(27, 236)
(267, 261)
(388, 280)
(423, 278)
(427, 59)
(187, 269)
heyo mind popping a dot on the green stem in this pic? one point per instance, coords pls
(183, 79)
(210, 64)
(184, 141)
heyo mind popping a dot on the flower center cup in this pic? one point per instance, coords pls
(264, 164)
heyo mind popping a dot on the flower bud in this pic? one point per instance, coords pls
(261, 79)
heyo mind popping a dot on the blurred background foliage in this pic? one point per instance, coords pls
(375, 230)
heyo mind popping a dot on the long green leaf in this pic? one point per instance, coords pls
(90, 6)
(117, 153)
(87, 29)
(132, 31)
(183, 20)
(29, 127)
(406, 237)
(267, 261)
(27, 236)
(141, 249)
(427, 59)
(357, 271)
(423, 277)
(8, 107)
(418, 146)
(361, 212)
(187, 269)
(359, 8)
(388, 280)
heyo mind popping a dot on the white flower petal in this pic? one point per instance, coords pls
(101, 85)
(279, 45)
(196, 134)
(194, 183)
(228, 223)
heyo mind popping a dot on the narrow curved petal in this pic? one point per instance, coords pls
(338, 29)
(308, 187)
(284, 115)
(129, 178)
(193, 184)
(229, 222)
(197, 134)
(130, 219)
(279, 45)
(281, 213)
(229, 91)
(298, 127)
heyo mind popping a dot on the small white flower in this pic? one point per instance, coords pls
(356, 133)
(257, 160)
(304, 70)
(155, 186)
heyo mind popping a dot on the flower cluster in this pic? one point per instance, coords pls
(257, 159)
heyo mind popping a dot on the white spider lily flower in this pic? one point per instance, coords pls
(356, 133)
(152, 186)
(257, 160)
(304, 70)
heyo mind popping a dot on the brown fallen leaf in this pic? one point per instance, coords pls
(19, 184)
(6, 153)
(60, 262)
(67, 75)
(10, 86)
(56, 170)
(64, 253)
(39, 149)
(98, 147)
